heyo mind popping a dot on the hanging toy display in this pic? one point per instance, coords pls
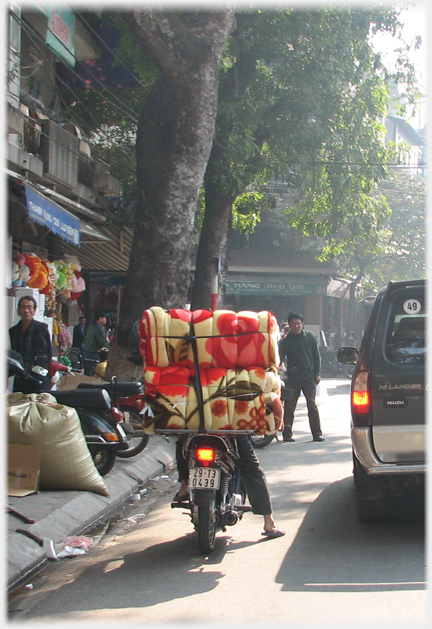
(38, 273)
(59, 278)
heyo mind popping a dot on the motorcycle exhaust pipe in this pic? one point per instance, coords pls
(229, 518)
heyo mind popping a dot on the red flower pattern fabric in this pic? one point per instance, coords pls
(238, 360)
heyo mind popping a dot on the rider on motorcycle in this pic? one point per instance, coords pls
(253, 478)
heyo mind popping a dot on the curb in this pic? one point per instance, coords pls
(77, 512)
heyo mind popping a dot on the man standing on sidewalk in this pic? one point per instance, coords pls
(300, 353)
(94, 341)
(31, 339)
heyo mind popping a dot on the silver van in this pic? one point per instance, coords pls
(388, 430)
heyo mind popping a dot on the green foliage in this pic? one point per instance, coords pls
(301, 94)
(387, 239)
(246, 211)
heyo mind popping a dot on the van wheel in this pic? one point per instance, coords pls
(369, 510)
(369, 493)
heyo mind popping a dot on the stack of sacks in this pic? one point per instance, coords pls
(237, 358)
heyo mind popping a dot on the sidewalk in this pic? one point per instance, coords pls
(58, 514)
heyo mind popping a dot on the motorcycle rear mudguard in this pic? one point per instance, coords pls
(93, 424)
(202, 497)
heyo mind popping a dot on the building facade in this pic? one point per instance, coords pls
(56, 193)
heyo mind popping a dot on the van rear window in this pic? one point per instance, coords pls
(406, 331)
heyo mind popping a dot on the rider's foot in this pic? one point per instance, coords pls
(270, 527)
(183, 492)
(274, 533)
(181, 497)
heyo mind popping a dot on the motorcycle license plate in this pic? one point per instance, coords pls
(204, 478)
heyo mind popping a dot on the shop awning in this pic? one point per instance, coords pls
(52, 216)
(110, 255)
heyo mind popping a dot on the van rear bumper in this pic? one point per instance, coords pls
(364, 451)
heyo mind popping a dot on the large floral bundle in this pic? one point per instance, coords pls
(224, 338)
(237, 357)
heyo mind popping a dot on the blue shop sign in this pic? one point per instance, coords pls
(60, 222)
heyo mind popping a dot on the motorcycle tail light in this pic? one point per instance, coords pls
(139, 404)
(205, 454)
(118, 415)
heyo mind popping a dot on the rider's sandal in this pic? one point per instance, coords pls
(274, 534)
(178, 498)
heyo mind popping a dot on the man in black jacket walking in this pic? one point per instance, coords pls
(31, 339)
(79, 333)
(300, 353)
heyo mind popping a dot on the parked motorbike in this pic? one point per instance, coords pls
(100, 421)
(129, 398)
(329, 364)
(261, 441)
(217, 494)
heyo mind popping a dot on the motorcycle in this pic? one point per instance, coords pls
(129, 398)
(100, 420)
(217, 493)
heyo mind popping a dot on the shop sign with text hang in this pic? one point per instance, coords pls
(60, 222)
(273, 288)
(61, 33)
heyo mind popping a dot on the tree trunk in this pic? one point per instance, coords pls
(174, 137)
(213, 240)
(173, 145)
(221, 189)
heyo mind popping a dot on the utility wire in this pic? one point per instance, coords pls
(115, 55)
(79, 154)
(124, 109)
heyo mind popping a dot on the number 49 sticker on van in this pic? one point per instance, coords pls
(412, 306)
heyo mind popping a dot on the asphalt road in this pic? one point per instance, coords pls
(328, 569)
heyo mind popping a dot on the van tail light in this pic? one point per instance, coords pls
(360, 399)
(205, 455)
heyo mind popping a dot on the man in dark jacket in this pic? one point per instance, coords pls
(300, 353)
(79, 333)
(95, 338)
(31, 339)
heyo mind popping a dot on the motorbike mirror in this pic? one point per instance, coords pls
(41, 371)
(15, 364)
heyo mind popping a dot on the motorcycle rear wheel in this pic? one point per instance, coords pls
(135, 444)
(206, 527)
(261, 441)
(103, 458)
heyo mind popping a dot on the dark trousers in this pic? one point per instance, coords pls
(290, 402)
(250, 471)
